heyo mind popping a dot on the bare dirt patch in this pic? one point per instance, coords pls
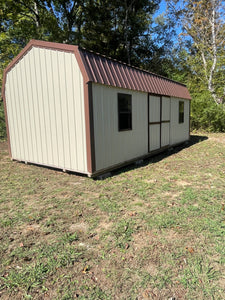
(78, 227)
(182, 183)
(218, 138)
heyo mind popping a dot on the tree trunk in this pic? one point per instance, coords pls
(37, 18)
(126, 33)
(212, 70)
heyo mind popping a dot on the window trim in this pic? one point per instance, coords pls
(119, 112)
(181, 112)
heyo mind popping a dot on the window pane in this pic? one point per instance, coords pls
(124, 112)
(181, 112)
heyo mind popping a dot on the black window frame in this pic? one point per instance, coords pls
(181, 112)
(124, 106)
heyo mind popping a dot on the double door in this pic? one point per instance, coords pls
(158, 122)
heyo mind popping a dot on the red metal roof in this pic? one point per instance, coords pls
(101, 69)
(104, 70)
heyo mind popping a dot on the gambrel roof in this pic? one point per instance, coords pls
(104, 70)
(100, 69)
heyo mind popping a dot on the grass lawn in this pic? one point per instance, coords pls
(156, 231)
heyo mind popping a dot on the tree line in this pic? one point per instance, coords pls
(185, 43)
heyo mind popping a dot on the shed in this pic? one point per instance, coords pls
(76, 110)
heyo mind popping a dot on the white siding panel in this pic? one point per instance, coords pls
(154, 109)
(64, 110)
(58, 107)
(29, 96)
(50, 103)
(70, 110)
(165, 108)
(165, 127)
(35, 100)
(154, 137)
(41, 126)
(26, 113)
(11, 121)
(165, 134)
(179, 132)
(67, 95)
(111, 146)
(23, 135)
(80, 118)
(45, 105)
(16, 116)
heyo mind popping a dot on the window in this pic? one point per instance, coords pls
(181, 112)
(125, 112)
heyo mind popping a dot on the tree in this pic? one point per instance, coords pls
(155, 53)
(117, 27)
(21, 21)
(70, 19)
(203, 32)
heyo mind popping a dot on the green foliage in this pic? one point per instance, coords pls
(114, 28)
(206, 114)
(2, 122)
(127, 31)
(203, 29)
(156, 47)
(199, 59)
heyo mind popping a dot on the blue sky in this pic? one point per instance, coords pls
(162, 8)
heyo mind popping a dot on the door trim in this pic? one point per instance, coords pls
(160, 122)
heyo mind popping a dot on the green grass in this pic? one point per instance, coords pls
(152, 232)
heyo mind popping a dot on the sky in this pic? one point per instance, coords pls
(162, 8)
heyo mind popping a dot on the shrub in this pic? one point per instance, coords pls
(2, 122)
(206, 114)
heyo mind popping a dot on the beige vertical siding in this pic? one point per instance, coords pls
(165, 108)
(154, 129)
(165, 134)
(154, 109)
(179, 132)
(165, 127)
(111, 146)
(154, 137)
(45, 105)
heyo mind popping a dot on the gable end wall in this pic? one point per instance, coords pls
(44, 99)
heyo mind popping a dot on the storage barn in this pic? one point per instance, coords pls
(72, 109)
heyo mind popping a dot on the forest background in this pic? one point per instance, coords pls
(180, 39)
